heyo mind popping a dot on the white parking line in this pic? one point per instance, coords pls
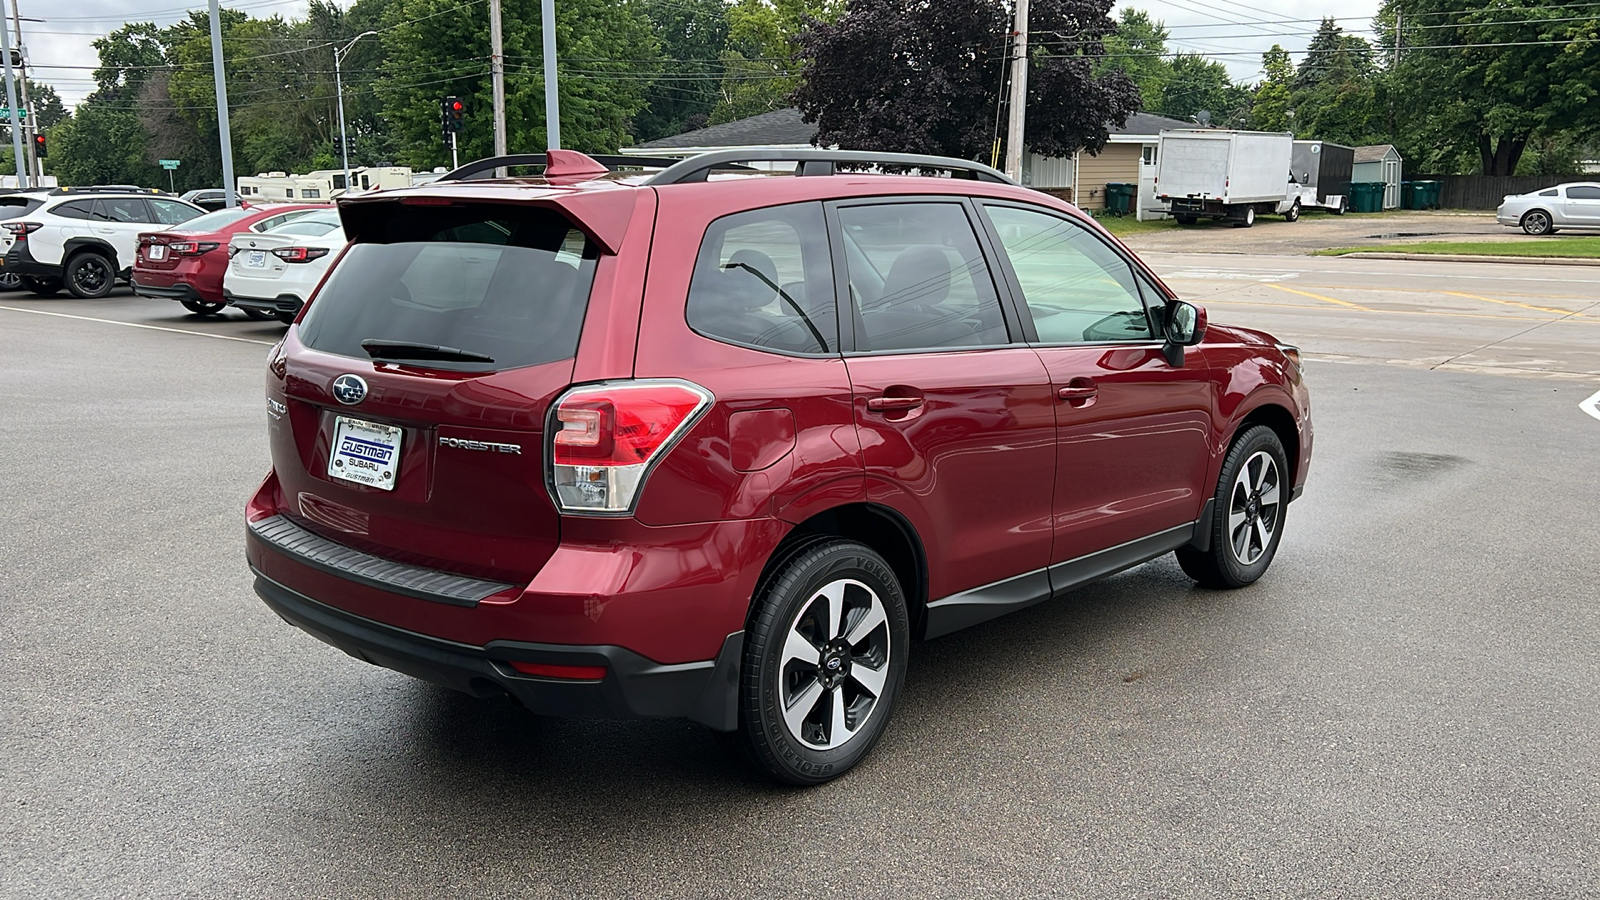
(1591, 405)
(220, 337)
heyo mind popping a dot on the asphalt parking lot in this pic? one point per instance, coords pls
(1403, 707)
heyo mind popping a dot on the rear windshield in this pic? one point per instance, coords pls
(218, 220)
(12, 207)
(511, 284)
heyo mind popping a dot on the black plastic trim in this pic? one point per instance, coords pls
(634, 686)
(19, 260)
(179, 291)
(613, 163)
(316, 551)
(822, 162)
(287, 303)
(1201, 538)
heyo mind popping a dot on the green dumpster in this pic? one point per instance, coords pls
(1427, 194)
(1119, 197)
(1367, 196)
(1408, 195)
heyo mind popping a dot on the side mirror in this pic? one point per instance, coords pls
(1185, 327)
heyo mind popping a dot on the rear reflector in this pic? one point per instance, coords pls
(546, 670)
(605, 437)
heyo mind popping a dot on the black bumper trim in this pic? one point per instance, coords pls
(179, 291)
(20, 261)
(633, 687)
(285, 303)
(316, 551)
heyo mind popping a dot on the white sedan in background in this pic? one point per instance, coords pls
(275, 272)
(1574, 205)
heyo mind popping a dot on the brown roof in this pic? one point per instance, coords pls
(1374, 153)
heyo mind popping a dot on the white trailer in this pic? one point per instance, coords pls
(1233, 175)
(322, 184)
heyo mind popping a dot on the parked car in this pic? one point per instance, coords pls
(720, 448)
(187, 263)
(274, 272)
(211, 199)
(85, 239)
(15, 204)
(1574, 205)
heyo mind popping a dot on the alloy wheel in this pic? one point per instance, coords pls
(91, 275)
(835, 664)
(1253, 507)
(1536, 223)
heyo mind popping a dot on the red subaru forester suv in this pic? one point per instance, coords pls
(718, 443)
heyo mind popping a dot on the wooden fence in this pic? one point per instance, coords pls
(1486, 191)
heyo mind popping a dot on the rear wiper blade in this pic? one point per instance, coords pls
(381, 349)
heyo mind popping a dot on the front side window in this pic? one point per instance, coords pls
(1076, 288)
(763, 279)
(120, 209)
(491, 281)
(918, 280)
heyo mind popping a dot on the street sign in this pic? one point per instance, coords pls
(168, 163)
(5, 113)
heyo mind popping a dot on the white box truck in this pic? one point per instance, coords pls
(1233, 175)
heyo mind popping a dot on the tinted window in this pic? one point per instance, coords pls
(763, 279)
(918, 279)
(1550, 193)
(120, 209)
(171, 213)
(12, 207)
(216, 221)
(1075, 286)
(77, 209)
(1583, 193)
(288, 192)
(491, 280)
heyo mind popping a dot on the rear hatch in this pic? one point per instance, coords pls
(462, 325)
(253, 255)
(155, 253)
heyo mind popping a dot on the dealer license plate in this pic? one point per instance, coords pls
(257, 258)
(365, 452)
(158, 252)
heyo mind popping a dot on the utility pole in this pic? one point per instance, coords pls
(22, 82)
(497, 71)
(1397, 38)
(552, 102)
(1019, 94)
(230, 191)
(11, 101)
(338, 88)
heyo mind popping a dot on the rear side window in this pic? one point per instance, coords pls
(763, 279)
(12, 207)
(511, 284)
(78, 209)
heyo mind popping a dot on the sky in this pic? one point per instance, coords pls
(1234, 32)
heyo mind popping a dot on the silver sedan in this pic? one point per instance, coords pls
(1574, 205)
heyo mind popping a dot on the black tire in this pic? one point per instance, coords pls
(257, 315)
(1231, 562)
(1246, 219)
(89, 276)
(1293, 215)
(286, 318)
(203, 307)
(1186, 220)
(42, 287)
(803, 747)
(1340, 209)
(1537, 222)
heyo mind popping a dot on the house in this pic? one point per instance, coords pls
(1129, 155)
(1380, 162)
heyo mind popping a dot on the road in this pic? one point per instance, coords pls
(1402, 708)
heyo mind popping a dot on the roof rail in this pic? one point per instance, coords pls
(824, 162)
(107, 189)
(611, 163)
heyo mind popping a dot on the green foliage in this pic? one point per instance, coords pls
(1273, 101)
(759, 66)
(693, 35)
(1137, 48)
(1196, 84)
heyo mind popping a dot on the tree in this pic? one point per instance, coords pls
(1488, 82)
(1273, 102)
(1138, 49)
(693, 36)
(1195, 85)
(760, 69)
(927, 79)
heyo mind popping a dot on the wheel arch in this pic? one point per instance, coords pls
(1536, 209)
(77, 245)
(1282, 422)
(877, 526)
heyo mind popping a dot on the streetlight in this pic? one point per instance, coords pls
(338, 81)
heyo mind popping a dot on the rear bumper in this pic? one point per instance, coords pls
(19, 261)
(633, 686)
(179, 291)
(283, 303)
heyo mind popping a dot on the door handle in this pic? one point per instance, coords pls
(893, 404)
(1078, 392)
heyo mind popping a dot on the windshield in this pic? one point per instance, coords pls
(216, 221)
(504, 283)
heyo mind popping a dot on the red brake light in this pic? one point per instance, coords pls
(300, 254)
(605, 437)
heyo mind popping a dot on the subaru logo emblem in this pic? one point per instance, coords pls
(349, 389)
(833, 663)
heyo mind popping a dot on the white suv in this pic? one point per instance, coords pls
(84, 239)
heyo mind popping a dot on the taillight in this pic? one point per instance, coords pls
(21, 230)
(300, 254)
(604, 438)
(194, 248)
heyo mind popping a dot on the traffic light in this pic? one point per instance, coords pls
(39, 147)
(451, 110)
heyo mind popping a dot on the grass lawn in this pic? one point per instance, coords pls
(1554, 248)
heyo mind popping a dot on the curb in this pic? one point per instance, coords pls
(1460, 257)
